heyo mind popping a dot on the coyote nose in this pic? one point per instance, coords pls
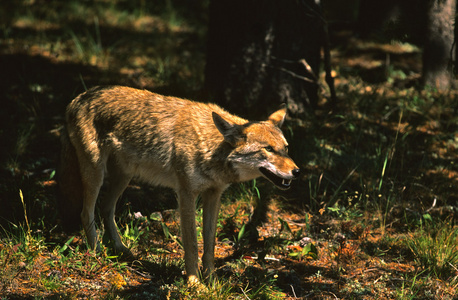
(296, 172)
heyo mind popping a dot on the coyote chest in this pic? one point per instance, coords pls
(192, 147)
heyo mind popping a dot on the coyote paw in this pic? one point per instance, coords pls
(124, 254)
(127, 255)
(195, 284)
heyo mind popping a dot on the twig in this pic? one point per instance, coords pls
(245, 294)
(363, 271)
(294, 222)
(333, 294)
(308, 68)
(139, 273)
(298, 76)
(322, 292)
(306, 65)
(432, 206)
(456, 269)
(294, 293)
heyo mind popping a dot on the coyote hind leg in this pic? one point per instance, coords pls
(92, 179)
(117, 183)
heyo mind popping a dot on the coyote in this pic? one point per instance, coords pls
(194, 148)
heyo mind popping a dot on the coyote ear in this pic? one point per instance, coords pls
(278, 117)
(230, 131)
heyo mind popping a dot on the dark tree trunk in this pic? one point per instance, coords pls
(438, 53)
(398, 19)
(455, 43)
(256, 53)
(374, 15)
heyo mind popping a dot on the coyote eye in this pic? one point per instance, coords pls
(269, 149)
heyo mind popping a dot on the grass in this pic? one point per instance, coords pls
(436, 251)
(362, 222)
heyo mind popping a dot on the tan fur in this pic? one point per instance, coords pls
(195, 148)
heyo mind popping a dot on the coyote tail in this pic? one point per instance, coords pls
(69, 185)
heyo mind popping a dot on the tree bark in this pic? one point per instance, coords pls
(256, 52)
(438, 54)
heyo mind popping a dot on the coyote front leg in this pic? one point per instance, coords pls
(187, 207)
(211, 205)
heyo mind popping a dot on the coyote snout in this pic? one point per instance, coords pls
(282, 181)
(192, 147)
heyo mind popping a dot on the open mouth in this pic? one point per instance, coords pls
(279, 182)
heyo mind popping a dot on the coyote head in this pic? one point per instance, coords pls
(259, 148)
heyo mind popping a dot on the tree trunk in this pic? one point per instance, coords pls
(392, 19)
(256, 53)
(438, 54)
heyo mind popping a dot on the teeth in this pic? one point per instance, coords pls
(286, 182)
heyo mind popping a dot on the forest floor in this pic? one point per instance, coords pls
(373, 216)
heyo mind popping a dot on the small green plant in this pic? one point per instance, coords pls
(436, 250)
(28, 245)
(409, 292)
(214, 289)
(131, 234)
(349, 211)
(166, 230)
(308, 251)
